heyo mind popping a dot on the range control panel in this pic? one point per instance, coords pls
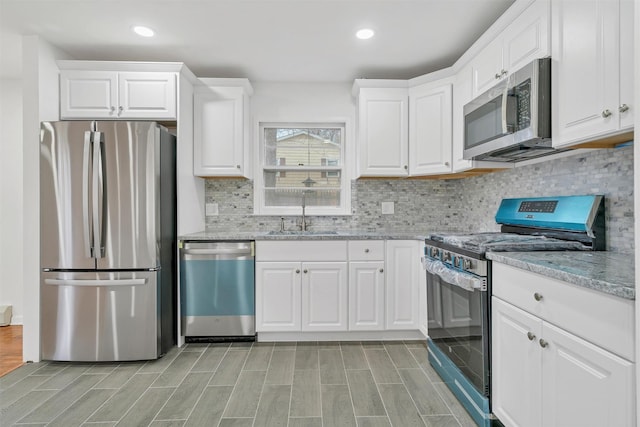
(570, 213)
(546, 206)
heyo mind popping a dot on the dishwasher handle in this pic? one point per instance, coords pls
(218, 251)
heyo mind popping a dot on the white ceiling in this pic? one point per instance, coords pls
(263, 40)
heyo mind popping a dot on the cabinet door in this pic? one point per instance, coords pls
(486, 68)
(584, 385)
(278, 287)
(585, 70)
(88, 94)
(461, 96)
(383, 123)
(516, 374)
(430, 115)
(366, 296)
(147, 95)
(626, 64)
(404, 277)
(218, 132)
(324, 296)
(527, 37)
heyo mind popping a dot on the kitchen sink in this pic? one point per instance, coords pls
(301, 233)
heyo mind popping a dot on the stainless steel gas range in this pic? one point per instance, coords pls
(459, 284)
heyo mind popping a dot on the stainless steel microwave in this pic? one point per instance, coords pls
(512, 120)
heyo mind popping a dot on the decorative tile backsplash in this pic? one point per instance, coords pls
(453, 205)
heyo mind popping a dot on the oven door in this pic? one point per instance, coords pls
(459, 326)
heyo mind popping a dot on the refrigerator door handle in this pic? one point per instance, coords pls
(95, 282)
(86, 204)
(98, 195)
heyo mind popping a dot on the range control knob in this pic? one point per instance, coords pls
(456, 261)
(466, 264)
(435, 252)
(446, 257)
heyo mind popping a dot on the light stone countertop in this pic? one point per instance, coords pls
(608, 272)
(307, 235)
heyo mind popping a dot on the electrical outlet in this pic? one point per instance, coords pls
(211, 209)
(387, 208)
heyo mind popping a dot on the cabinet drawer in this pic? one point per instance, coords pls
(602, 319)
(301, 250)
(366, 250)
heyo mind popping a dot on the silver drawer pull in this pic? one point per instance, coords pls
(537, 296)
(531, 336)
(543, 343)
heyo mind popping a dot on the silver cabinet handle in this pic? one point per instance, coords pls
(543, 343)
(237, 166)
(623, 108)
(531, 336)
(382, 270)
(497, 76)
(537, 296)
(406, 167)
(305, 271)
(503, 72)
(606, 113)
(297, 271)
(366, 251)
(113, 109)
(446, 163)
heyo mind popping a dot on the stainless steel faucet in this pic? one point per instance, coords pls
(303, 223)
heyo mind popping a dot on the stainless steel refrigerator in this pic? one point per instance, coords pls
(108, 240)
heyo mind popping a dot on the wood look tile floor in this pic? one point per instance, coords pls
(310, 384)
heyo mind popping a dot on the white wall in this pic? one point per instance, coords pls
(40, 102)
(11, 223)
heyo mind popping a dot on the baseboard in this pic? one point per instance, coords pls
(16, 320)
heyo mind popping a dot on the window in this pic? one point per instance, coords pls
(299, 159)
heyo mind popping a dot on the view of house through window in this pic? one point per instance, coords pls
(299, 160)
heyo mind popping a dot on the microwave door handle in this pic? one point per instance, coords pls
(503, 109)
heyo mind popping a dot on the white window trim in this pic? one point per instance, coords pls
(259, 207)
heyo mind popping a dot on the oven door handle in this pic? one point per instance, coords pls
(467, 281)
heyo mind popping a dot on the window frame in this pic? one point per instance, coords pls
(344, 207)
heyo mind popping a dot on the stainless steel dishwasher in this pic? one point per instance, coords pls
(217, 290)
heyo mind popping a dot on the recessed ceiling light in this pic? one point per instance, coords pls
(143, 31)
(365, 33)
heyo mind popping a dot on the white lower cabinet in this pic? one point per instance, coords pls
(544, 375)
(404, 277)
(324, 296)
(345, 288)
(366, 296)
(301, 296)
(278, 289)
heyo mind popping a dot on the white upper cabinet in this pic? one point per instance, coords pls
(88, 94)
(524, 40)
(592, 70)
(430, 128)
(221, 129)
(382, 132)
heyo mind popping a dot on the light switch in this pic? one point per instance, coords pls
(211, 209)
(387, 208)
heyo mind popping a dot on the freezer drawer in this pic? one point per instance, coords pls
(217, 295)
(99, 316)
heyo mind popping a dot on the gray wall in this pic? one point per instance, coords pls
(454, 205)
